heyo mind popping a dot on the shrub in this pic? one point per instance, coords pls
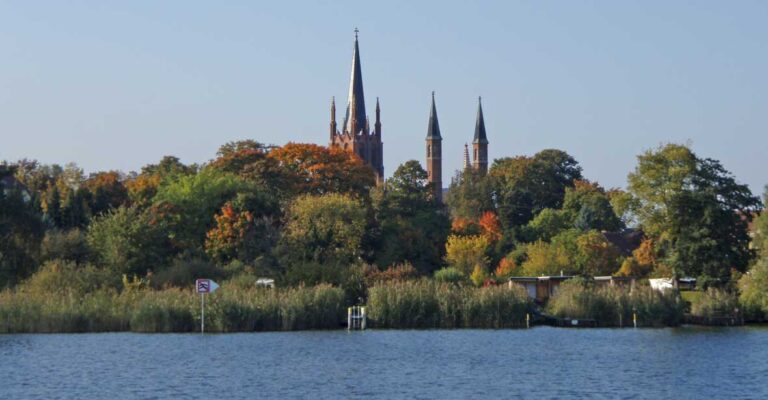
(754, 291)
(183, 273)
(715, 303)
(64, 245)
(449, 275)
(59, 276)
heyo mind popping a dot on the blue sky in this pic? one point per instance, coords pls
(117, 85)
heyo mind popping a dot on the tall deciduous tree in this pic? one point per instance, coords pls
(313, 169)
(524, 186)
(413, 224)
(470, 195)
(324, 229)
(21, 229)
(189, 203)
(694, 210)
(128, 240)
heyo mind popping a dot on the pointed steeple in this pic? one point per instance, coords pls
(480, 137)
(465, 164)
(433, 128)
(355, 119)
(333, 118)
(377, 124)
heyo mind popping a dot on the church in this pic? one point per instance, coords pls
(356, 135)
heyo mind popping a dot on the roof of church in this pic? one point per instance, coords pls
(480, 125)
(433, 129)
(356, 101)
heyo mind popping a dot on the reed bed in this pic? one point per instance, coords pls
(231, 309)
(429, 304)
(615, 306)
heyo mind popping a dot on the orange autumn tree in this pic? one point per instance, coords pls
(313, 169)
(491, 226)
(104, 191)
(642, 262)
(464, 227)
(506, 268)
(223, 242)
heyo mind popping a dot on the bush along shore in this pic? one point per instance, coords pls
(63, 297)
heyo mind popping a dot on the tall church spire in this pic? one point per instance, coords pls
(355, 135)
(355, 119)
(480, 124)
(480, 142)
(433, 129)
(434, 153)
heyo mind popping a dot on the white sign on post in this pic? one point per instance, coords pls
(204, 286)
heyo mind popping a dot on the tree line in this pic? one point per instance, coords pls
(304, 213)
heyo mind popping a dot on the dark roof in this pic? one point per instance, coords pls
(626, 241)
(356, 100)
(433, 128)
(480, 125)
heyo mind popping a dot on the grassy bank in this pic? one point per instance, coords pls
(615, 306)
(430, 304)
(231, 309)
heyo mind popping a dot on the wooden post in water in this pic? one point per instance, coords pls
(527, 320)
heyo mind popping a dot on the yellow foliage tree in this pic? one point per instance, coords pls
(478, 276)
(547, 259)
(466, 252)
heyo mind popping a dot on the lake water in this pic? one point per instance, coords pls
(541, 363)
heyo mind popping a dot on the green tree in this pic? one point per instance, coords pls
(470, 194)
(694, 210)
(128, 240)
(524, 186)
(324, 229)
(549, 223)
(590, 207)
(413, 225)
(21, 229)
(753, 287)
(760, 230)
(142, 188)
(191, 201)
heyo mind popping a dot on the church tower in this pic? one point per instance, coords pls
(356, 135)
(434, 153)
(480, 143)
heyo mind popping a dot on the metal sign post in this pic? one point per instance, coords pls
(204, 286)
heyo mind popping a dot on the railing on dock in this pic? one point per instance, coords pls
(356, 318)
